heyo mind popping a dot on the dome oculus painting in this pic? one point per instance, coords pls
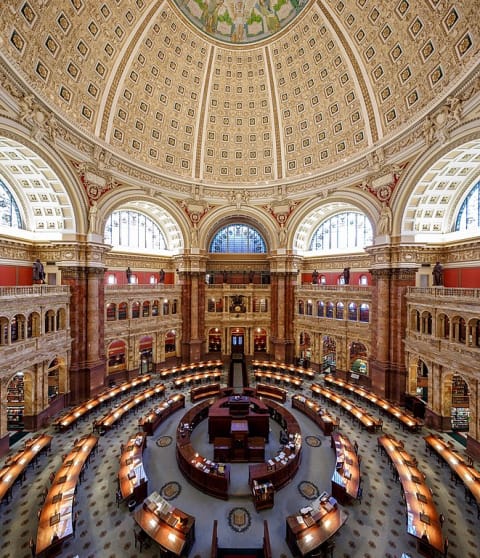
(240, 21)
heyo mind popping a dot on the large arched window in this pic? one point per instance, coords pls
(344, 231)
(468, 218)
(238, 239)
(131, 229)
(9, 212)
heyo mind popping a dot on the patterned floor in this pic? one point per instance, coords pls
(375, 528)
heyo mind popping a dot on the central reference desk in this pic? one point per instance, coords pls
(172, 529)
(312, 526)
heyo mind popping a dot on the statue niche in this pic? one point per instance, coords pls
(237, 304)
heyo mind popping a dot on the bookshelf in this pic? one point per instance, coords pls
(15, 403)
(460, 404)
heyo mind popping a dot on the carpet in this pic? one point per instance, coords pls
(164, 441)
(170, 490)
(313, 441)
(239, 519)
(308, 490)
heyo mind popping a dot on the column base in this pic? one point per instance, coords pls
(436, 421)
(4, 445)
(473, 448)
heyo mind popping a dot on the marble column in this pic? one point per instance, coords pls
(282, 310)
(193, 316)
(88, 363)
(388, 322)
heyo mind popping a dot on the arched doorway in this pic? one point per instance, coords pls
(237, 341)
(145, 349)
(260, 340)
(358, 358)
(305, 349)
(460, 409)
(117, 357)
(329, 354)
(214, 340)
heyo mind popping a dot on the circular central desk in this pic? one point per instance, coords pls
(235, 417)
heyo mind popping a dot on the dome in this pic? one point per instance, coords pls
(161, 86)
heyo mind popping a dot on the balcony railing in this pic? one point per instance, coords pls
(444, 292)
(33, 291)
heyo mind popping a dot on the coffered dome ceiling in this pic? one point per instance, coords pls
(300, 89)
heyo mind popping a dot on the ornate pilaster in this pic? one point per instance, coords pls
(388, 322)
(191, 271)
(88, 366)
(282, 309)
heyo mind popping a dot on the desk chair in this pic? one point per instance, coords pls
(141, 539)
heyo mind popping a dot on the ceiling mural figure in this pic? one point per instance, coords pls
(240, 21)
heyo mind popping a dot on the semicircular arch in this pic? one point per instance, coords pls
(435, 185)
(305, 222)
(48, 190)
(250, 216)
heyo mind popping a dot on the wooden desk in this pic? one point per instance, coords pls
(307, 531)
(283, 467)
(312, 409)
(278, 378)
(132, 479)
(422, 516)
(465, 472)
(150, 422)
(283, 368)
(55, 523)
(16, 465)
(407, 420)
(208, 390)
(274, 392)
(67, 420)
(209, 365)
(114, 415)
(370, 422)
(197, 378)
(346, 477)
(211, 477)
(171, 528)
(224, 409)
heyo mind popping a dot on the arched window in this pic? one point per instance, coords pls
(340, 309)
(468, 218)
(352, 311)
(344, 231)
(238, 238)
(330, 307)
(364, 312)
(131, 229)
(136, 310)
(320, 309)
(9, 213)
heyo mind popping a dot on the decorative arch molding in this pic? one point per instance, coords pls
(66, 180)
(250, 216)
(469, 133)
(306, 220)
(166, 214)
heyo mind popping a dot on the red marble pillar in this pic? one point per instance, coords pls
(193, 316)
(388, 321)
(88, 363)
(282, 312)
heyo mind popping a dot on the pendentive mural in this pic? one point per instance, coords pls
(241, 21)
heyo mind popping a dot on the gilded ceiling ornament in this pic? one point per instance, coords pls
(281, 211)
(195, 211)
(95, 183)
